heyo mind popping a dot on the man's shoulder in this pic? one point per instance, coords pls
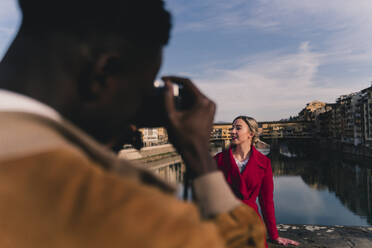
(28, 143)
(26, 135)
(22, 136)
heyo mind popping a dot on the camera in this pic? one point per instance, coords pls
(152, 112)
(177, 93)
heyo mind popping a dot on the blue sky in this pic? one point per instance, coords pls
(263, 58)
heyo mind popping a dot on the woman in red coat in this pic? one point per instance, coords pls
(249, 173)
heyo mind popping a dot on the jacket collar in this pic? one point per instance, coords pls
(14, 102)
(72, 136)
(256, 157)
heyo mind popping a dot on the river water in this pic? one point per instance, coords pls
(315, 186)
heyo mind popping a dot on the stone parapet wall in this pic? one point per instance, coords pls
(317, 236)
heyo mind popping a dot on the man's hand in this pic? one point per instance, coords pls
(189, 130)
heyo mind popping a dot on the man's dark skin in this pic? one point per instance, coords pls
(48, 67)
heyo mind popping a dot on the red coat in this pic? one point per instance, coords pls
(256, 180)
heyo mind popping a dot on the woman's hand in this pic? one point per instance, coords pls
(286, 242)
(189, 129)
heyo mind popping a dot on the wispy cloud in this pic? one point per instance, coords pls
(333, 55)
(325, 52)
(341, 27)
(274, 84)
(217, 15)
(9, 21)
(6, 31)
(8, 12)
(336, 22)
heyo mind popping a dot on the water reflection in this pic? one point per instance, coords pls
(314, 187)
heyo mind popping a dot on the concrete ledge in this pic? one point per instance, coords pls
(317, 236)
(132, 154)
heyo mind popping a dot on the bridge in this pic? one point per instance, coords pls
(268, 130)
(287, 130)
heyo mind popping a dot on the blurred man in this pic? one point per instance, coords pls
(80, 69)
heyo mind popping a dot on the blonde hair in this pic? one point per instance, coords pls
(253, 127)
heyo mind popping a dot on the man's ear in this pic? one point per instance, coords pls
(93, 79)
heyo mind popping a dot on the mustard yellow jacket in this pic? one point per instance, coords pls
(60, 188)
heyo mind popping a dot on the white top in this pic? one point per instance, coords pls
(11, 101)
(242, 164)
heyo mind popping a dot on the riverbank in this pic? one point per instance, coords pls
(357, 151)
(317, 236)
(322, 147)
(349, 151)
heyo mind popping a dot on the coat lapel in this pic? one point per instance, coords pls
(233, 174)
(255, 160)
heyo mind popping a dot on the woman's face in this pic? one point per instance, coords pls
(240, 133)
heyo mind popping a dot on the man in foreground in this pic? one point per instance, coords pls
(94, 64)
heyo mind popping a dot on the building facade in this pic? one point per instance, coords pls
(348, 120)
(154, 136)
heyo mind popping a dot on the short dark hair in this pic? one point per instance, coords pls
(138, 21)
